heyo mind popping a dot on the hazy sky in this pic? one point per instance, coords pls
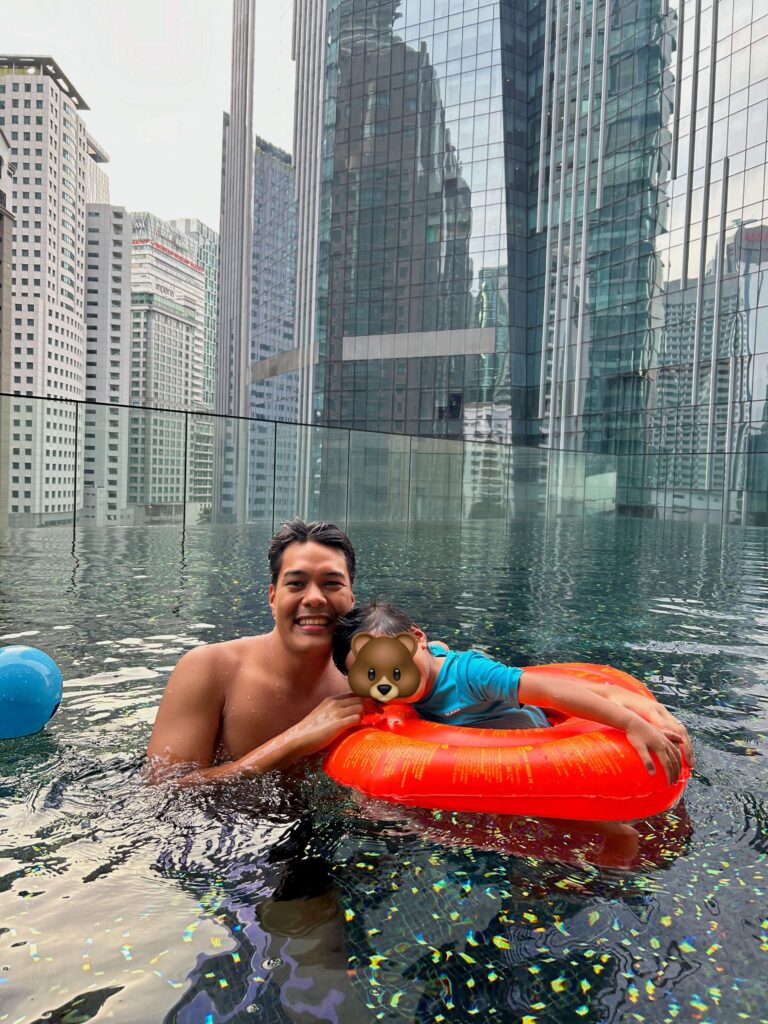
(155, 74)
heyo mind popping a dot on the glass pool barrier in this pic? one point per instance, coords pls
(90, 464)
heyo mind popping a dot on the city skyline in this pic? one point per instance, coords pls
(502, 233)
(161, 128)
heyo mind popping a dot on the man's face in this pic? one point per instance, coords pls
(312, 591)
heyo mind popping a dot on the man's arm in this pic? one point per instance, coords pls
(189, 715)
(187, 724)
(551, 690)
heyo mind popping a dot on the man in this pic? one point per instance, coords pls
(247, 706)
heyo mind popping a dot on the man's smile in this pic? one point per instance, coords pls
(313, 623)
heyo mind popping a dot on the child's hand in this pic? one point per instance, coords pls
(648, 740)
(663, 719)
(655, 713)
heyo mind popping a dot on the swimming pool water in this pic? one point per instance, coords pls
(286, 899)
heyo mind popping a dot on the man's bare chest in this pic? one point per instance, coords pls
(256, 711)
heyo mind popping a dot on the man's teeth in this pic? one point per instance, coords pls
(313, 622)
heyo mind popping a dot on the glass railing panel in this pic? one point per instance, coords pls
(89, 465)
(288, 470)
(229, 479)
(436, 480)
(110, 452)
(485, 481)
(6, 403)
(262, 461)
(753, 510)
(527, 482)
(566, 483)
(156, 466)
(41, 451)
(327, 472)
(379, 477)
(663, 479)
(714, 491)
(200, 432)
(600, 478)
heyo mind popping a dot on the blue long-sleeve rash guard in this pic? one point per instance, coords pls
(474, 690)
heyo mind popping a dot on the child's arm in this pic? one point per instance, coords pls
(649, 709)
(551, 690)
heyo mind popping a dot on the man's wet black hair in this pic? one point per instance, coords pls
(297, 531)
(377, 617)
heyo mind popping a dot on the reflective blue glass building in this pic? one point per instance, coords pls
(542, 223)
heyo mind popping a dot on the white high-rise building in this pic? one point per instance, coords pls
(40, 112)
(201, 439)
(96, 178)
(167, 361)
(7, 171)
(207, 242)
(108, 366)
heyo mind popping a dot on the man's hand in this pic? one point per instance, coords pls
(655, 713)
(647, 740)
(329, 719)
(316, 730)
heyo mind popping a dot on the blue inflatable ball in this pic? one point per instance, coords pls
(30, 690)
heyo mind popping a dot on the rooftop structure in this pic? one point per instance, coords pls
(25, 65)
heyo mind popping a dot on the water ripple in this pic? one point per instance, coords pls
(243, 903)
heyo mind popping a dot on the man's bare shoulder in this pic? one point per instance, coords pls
(222, 660)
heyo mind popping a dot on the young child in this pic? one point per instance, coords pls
(467, 688)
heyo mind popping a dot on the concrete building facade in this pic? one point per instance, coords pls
(168, 306)
(7, 173)
(108, 366)
(40, 113)
(203, 431)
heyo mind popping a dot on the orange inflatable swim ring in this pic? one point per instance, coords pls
(576, 769)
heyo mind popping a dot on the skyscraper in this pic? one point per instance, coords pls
(107, 366)
(236, 232)
(413, 215)
(540, 222)
(274, 386)
(7, 171)
(167, 360)
(207, 242)
(40, 113)
(650, 336)
(201, 439)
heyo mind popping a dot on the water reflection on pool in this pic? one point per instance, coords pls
(285, 899)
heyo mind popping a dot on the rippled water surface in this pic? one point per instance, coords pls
(287, 899)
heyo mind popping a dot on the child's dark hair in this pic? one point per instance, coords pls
(377, 617)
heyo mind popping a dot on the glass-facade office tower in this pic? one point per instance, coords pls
(273, 386)
(235, 237)
(273, 283)
(416, 225)
(649, 227)
(543, 223)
